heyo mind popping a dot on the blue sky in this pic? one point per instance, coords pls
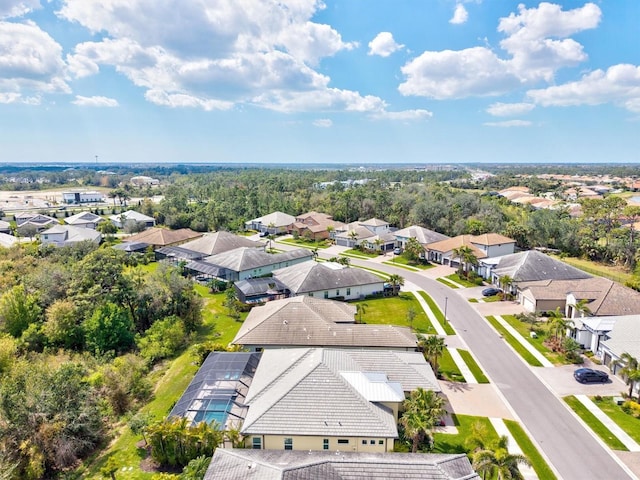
(304, 81)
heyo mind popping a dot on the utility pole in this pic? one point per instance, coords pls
(446, 300)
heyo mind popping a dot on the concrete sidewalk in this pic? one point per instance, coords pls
(530, 348)
(627, 441)
(410, 287)
(480, 400)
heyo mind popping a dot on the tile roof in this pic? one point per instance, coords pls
(314, 322)
(456, 242)
(489, 239)
(132, 215)
(302, 391)
(625, 336)
(162, 237)
(362, 232)
(277, 219)
(314, 277)
(220, 242)
(423, 235)
(374, 222)
(245, 258)
(247, 464)
(74, 234)
(82, 218)
(533, 265)
(606, 297)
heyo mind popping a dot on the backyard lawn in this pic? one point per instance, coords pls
(393, 311)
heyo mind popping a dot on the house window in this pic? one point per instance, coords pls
(311, 294)
(257, 443)
(288, 443)
(343, 441)
(326, 294)
(372, 442)
(348, 291)
(364, 442)
(337, 293)
(325, 444)
(380, 442)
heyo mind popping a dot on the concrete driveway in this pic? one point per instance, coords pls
(561, 382)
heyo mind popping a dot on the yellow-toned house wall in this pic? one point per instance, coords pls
(308, 442)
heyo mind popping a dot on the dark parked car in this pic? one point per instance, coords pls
(264, 234)
(491, 291)
(588, 375)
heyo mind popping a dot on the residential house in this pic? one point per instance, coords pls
(220, 242)
(329, 280)
(61, 235)
(331, 399)
(84, 220)
(623, 338)
(162, 237)
(316, 226)
(217, 392)
(528, 266)
(249, 464)
(591, 331)
(143, 180)
(424, 236)
(372, 234)
(243, 263)
(315, 322)
(7, 241)
(273, 223)
(82, 197)
(603, 297)
(260, 290)
(37, 222)
(132, 247)
(133, 218)
(482, 246)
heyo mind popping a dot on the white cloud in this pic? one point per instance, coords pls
(620, 84)
(535, 41)
(30, 60)
(95, 101)
(384, 45)
(258, 53)
(17, 8)
(509, 109)
(404, 115)
(460, 15)
(323, 123)
(457, 74)
(509, 123)
(14, 97)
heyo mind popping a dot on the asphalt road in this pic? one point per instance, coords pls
(572, 450)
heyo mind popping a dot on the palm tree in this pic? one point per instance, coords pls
(396, 282)
(423, 411)
(582, 308)
(466, 257)
(558, 323)
(505, 283)
(432, 347)
(353, 235)
(498, 460)
(630, 370)
(361, 309)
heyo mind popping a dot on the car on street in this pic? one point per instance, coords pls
(589, 375)
(491, 291)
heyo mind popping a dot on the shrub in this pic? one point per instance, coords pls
(631, 408)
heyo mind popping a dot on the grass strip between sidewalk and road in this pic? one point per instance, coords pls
(448, 368)
(437, 313)
(538, 463)
(473, 366)
(446, 282)
(594, 424)
(515, 344)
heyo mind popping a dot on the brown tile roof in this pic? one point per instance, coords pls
(161, 237)
(456, 242)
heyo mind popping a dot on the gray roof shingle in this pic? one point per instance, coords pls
(314, 277)
(533, 266)
(244, 258)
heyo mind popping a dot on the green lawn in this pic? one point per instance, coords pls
(404, 267)
(461, 280)
(393, 311)
(448, 368)
(454, 442)
(626, 422)
(473, 366)
(438, 314)
(538, 463)
(399, 260)
(353, 252)
(174, 376)
(515, 344)
(525, 330)
(446, 282)
(611, 272)
(594, 424)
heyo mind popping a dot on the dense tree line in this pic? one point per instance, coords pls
(80, 329)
